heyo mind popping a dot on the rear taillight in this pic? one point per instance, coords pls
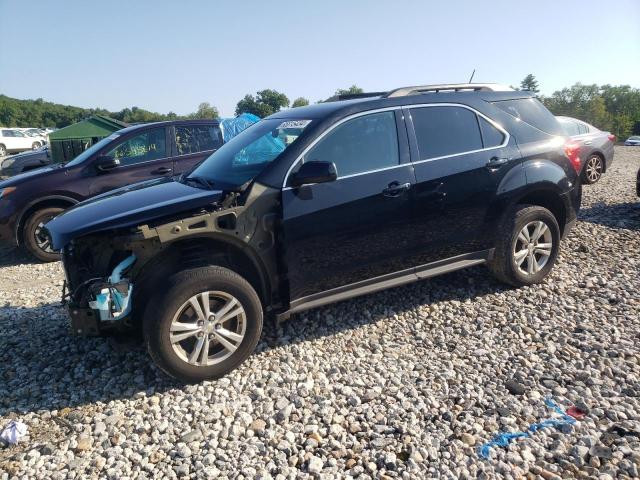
(612, 138)
(572, 151)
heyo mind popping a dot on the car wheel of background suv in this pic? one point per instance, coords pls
(35, 146)
(593, 169)
(35, 241)
(204, 324)
(3, 150)
(528, 245)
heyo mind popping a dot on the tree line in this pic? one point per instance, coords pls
(615, 108)
(39, 113)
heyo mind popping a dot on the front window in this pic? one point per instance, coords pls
(147, 146)
(246, 155)
(363, 144)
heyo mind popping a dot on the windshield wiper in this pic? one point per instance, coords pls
(208, 184)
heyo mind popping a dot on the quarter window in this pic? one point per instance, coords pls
(582, 128)
(194, 139)
(443, 131)
(365, 143)
(491, 136)
(150, 145)
(570, 127)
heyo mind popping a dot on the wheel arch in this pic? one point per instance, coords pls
(548, 198)
(204, 250)
(61, 201)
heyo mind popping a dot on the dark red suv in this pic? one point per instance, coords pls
(137, 153)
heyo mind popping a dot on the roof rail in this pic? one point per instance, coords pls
(448, 87)
(351, 96)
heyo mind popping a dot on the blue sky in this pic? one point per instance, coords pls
(172, 55)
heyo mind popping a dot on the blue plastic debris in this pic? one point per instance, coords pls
(110, 303)
(233, 126)
(503, 439)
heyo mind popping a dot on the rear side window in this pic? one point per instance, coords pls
(194, 139)
(365, 143)
(443, 131)
(532, 112)
(491, 136)
(570, 127)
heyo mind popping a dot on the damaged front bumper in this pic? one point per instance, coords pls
(109, 303)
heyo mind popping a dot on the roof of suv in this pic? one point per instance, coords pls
(403, 96)
(168, 122)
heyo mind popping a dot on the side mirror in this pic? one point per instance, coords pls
(105, 163)
(314, 172)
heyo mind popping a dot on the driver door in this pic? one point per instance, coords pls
(142, 156)
(356, 227)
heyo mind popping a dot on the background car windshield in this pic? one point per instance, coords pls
(91, 150)
(245, 156)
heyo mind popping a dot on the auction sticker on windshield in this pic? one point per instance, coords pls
(294, 124)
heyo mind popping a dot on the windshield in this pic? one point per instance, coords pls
(91, 150)
(246, 155)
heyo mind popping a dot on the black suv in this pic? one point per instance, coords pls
(136, 153)
(319, 204)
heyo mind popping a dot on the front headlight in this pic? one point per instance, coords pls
(6, 191)
(7, 163)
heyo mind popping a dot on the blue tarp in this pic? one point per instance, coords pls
(233, 126)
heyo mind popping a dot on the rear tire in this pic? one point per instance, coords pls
(593, 169)
(528, 245)
(35, 241)
(35, 146)
(186, 328)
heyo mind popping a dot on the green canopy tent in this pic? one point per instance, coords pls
(69, 142)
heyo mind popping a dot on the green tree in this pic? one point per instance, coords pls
(264, 103)
(352, 90)
(530, 83)
(612, 108)
(205, 111)
(300, 102)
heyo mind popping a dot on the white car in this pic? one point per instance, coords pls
(633, 141)
(12, 141)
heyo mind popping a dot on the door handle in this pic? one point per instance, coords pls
(588, 142)
(395, 189)
(496, 162)
(162, 171)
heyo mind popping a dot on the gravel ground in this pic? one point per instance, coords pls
(404, 383)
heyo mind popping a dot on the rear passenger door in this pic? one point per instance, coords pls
(460, 158)
(143, 155)
(194, 143)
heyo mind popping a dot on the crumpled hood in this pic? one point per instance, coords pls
(127, 206)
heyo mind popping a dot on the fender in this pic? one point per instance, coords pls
(20, 218)
(550, 174)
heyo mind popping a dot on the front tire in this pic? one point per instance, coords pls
(3, 150)
(36, 242)
(204, 324)
(593, 169)
(527, 247)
